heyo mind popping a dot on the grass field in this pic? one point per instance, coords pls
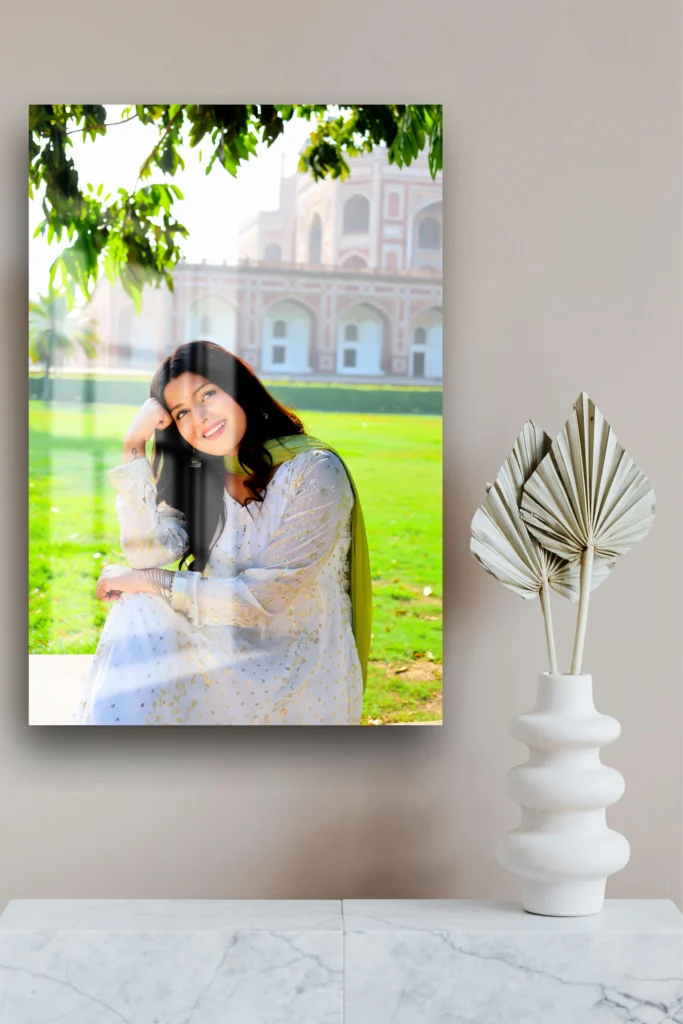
(396, 465)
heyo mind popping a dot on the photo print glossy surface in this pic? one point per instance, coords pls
(235, 378)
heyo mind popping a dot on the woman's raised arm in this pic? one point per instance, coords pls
(151, 536)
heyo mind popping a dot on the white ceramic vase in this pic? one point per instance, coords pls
(562, 848)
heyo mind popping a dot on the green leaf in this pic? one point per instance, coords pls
(336, 137)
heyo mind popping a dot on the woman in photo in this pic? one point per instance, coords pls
(267, 620)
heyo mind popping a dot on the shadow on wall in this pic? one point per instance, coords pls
(393, 847)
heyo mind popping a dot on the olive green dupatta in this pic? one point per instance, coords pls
(283, 448)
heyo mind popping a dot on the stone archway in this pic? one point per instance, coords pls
(426, 345)
(363, 341)
(287, 338)
(212, 318)
(426, 237)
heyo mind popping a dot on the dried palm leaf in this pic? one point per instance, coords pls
(503, 545)
(587, 500)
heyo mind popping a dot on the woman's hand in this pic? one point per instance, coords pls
(119, 579)
(151, 416)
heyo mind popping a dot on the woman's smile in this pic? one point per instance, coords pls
(206, 416)
(214, 431)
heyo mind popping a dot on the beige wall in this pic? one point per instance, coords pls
(563, 272)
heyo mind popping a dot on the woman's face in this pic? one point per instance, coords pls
(205, 415)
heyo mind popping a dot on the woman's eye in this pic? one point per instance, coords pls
(183, 412)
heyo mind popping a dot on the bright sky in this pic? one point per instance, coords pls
(214, 207)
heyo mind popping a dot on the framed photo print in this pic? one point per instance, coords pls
(235, 399)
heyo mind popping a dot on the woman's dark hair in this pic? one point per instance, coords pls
(199, 493)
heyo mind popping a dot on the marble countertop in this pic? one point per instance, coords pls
(337, 962)
(497, 916)
(623, 916)
(174, 915)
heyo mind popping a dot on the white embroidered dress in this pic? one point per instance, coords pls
(263, 637)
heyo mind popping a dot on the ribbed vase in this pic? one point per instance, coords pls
(562, 849)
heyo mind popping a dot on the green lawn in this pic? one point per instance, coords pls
(396, 465)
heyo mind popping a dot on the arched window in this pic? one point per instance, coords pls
(315, 241)
(363, 341)
(425, 350)
(287, 333)
(212, 319)
(354, 263)
(356, 215)
(393, 205)
(429, 234)
(273, 253)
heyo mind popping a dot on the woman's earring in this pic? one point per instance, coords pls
(194, 461)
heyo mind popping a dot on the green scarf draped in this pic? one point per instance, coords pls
(283, 448)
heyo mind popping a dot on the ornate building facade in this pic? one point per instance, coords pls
(342, 281)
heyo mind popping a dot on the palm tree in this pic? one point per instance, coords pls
(55, 330)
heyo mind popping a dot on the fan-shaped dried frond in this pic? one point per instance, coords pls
(500, 539)
(587, 500)
(568, 583)
(588, 491)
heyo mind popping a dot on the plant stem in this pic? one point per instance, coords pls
(548, 620)
(582, 616)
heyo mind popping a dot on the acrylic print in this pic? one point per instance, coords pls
(235, 378)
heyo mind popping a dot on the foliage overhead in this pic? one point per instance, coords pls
(135, 235)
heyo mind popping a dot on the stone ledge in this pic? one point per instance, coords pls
(337, 962)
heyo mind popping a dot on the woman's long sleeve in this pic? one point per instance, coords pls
(313, 523)
(151, 535)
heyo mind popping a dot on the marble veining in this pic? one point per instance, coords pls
(436, 979)
(170, 977)
(459, 962)
(337, 962)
